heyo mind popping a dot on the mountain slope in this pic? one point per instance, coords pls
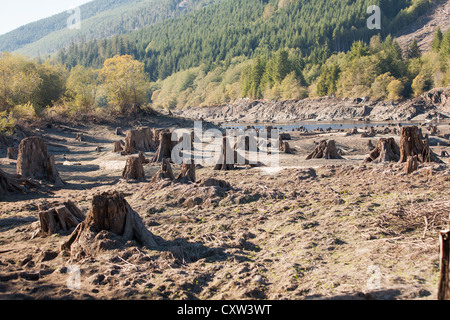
(100, 19)
(438, 15)
(250, 28)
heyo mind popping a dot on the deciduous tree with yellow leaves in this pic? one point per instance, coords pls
(125, 83)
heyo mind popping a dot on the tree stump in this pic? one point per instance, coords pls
(110, 216)
(60, 219)
(134, 170)
(139, 140)
(11, 153)
(284, 146)
(80, 137)
(187, 172)
(412, 144)
(226, 161)
(165, 147)
(8, 183)
(118, 147)
(411, 165)
(386, 150)
(33, 161)
(325, 150)
(444, 282)
(165, 172)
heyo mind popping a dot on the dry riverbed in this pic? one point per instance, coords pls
(317, 229)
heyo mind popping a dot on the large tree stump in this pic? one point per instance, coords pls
(165, 172)
(60, 219)
(325, 150)
(412, 144)
(386, 150)
(33, 161)
(165, 147)
(226, 161)
(134, 169)
(110, 213)
(139, 140)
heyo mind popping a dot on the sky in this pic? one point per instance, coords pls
(16, 13)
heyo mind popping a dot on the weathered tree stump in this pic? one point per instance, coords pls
(444, 282)
(60, 219)
(165, 172)
(80, 137)
(165, 147)
(226, 161)
(187, 172)
(33, 161)
(118, 147)
(284, 146)
(412, 144)
(325, 150)
(11, 153)
(9, 183)
(110, 213)
(386, 150)
(411, 165)
(139, 140)
(134, 170)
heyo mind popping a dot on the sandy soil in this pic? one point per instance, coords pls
(318, 229)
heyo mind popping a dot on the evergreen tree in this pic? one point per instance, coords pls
(436, 44)
(413, 50)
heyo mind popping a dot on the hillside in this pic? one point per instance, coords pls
(232, 28)
(438, 15)
(100, 19)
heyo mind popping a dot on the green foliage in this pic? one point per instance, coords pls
(7, 122)
(251, 28)
(420, 85)
(437, 40)
(413, 50)
(125, 83)
(82, 87)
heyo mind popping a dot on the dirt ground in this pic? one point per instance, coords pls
(316, 229)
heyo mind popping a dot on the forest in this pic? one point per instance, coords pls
(275, 50)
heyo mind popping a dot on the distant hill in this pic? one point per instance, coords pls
(100, 19)
(250, 28)
(438, 15)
